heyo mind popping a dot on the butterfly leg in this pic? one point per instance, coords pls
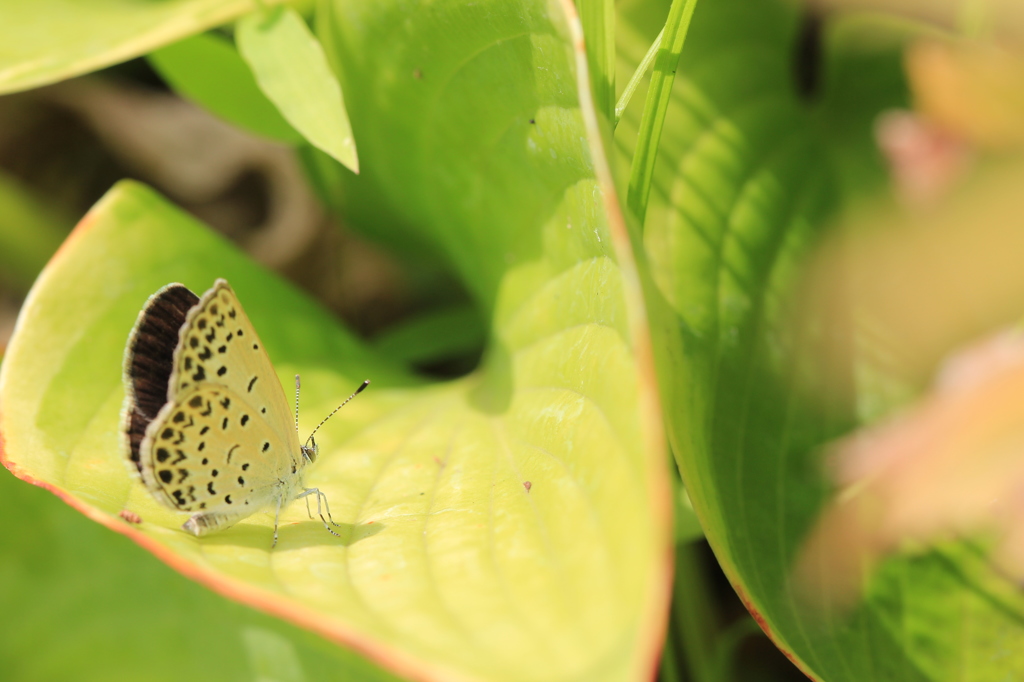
(327, 506)
(319, 495)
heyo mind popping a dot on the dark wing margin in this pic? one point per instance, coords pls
(149, 361)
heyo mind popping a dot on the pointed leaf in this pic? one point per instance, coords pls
(292, 70)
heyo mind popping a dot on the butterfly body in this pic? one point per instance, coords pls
(206, 424)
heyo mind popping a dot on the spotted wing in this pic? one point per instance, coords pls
(212, 450)
(219, 346)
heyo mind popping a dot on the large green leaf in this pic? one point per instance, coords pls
(744, 185)
(45, 41)
(449, 566)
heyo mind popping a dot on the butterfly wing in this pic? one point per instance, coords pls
(211, 451)
(206, 421)
(218, 345)
(149, 363)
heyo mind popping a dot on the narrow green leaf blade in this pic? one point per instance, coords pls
(208, 70)
(292, 70)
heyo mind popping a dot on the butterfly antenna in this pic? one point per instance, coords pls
(298, 385)
(357, 392)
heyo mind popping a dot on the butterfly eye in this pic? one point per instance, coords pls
(310, 452)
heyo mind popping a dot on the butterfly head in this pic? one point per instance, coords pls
(311, 451)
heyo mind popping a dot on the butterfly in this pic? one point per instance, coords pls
(206, 424)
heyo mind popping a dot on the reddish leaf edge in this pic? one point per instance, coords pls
(762, 622)
(655, 624)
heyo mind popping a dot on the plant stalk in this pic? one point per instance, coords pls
(656, 106)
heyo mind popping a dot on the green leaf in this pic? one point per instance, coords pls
(747, 178)
(208, 70)
(45, 41)
(449, 566)
(292, 70)
(103, 609)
